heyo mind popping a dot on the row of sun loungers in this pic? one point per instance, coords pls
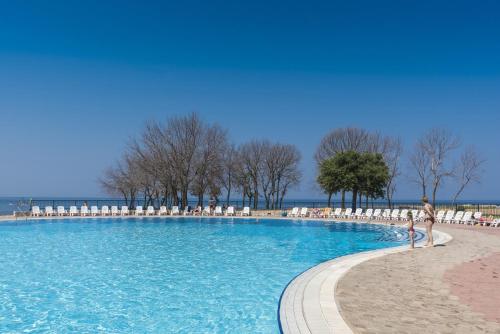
(138, 211)
(449, 217)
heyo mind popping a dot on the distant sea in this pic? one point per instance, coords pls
(10, 204)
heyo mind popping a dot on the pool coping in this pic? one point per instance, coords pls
(308, 303)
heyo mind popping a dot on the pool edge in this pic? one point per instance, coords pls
(308, 303)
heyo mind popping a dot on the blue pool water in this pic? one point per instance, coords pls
(154, 275)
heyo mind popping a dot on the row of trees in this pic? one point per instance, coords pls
(183, 157)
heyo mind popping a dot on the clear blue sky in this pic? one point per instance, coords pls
(78, 78)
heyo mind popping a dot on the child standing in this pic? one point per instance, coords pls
(411, 230)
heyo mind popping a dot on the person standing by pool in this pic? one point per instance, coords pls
(429, 220)
(411, 230)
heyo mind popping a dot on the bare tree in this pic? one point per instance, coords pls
(468, 170)
(252, 158)
(208, 166)
(420, 162)
(121, 180)
(437, 144)
(342, 140)
(229, 170)
(183, 138)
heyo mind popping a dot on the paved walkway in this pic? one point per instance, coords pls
(453, 288)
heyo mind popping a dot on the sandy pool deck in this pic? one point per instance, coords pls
(453, 288)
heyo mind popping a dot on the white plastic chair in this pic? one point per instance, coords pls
(358, 213)
(150, 211)
(347, 213)
(368, 214)
(114, 210)
(386, 214)
(377, 214)
(295, 212)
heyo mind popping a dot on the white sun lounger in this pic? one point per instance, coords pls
(294, 212)
(404, 215)
(414, 214)
(94, 210)
(124, 210)
(105, 210)
(477, 217)
(377, 214)
(458, 217)
(230, 211)
(395, 214)
(35, 211)
(61, 211)
(206, 211)
(49, 211)
(466, 218)
(84, 210)
(495, 223)
(175, 211)
(439, 216)
(150, 210)
(337, 213)
(139, 211)
(114, 210)
(347, 213)
(358, 213)
(386, 214)
(73, 210)
(449, 216)
(218, 211)
(246, 211)
(303, 212)
(368, 214)
(163, 211)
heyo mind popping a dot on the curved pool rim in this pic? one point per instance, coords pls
(332, 320)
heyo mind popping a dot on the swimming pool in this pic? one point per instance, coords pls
(163, 275)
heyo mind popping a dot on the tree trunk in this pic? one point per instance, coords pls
(343, 200)
(255, 196)
(354, 198)
(330, 199)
